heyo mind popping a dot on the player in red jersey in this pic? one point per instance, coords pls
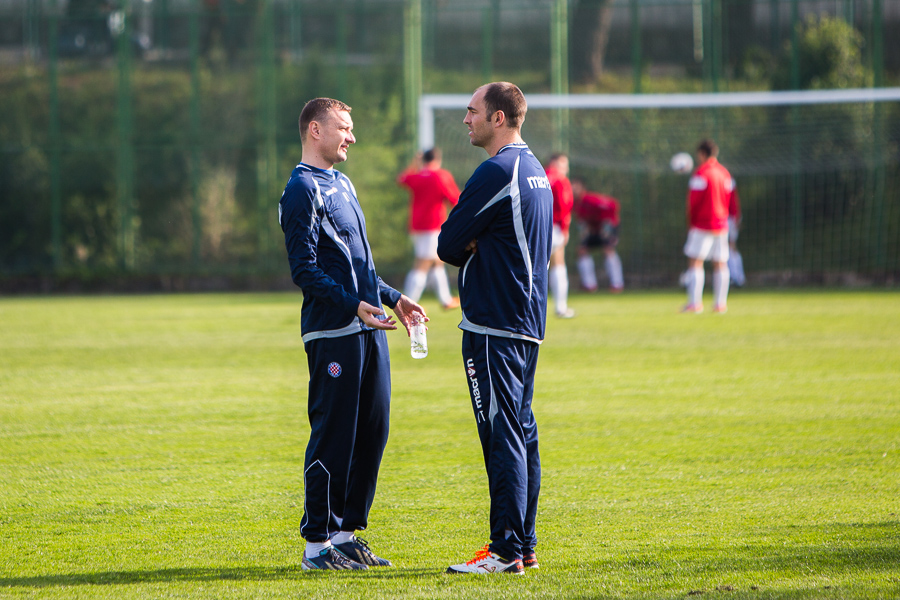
(709, 192)
(558, 173)
(598, 215)
(431, 190)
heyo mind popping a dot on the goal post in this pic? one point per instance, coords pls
(818, 172)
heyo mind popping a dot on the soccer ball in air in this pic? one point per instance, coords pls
(682, 163)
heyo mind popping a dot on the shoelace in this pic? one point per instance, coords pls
(337, 557)
(362, 542)
(481, 554)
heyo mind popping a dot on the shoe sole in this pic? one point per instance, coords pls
(453, 571)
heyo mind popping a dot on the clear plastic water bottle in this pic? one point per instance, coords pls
(418, 343)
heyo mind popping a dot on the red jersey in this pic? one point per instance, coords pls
(430, 190)
(709, 193)
(562, 199)
(595, 209)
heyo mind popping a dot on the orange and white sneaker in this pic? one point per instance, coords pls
(692, 308)
(720, 308)
(487, 562)
(454, 303)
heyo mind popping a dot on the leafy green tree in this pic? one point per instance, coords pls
(829, 52)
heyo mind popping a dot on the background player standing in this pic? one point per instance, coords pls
(598, 215)
(342, 325)
(499, 234)
(709, 191)
(431, 190)
(558, 174)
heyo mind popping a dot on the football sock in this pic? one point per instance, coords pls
(438, 275)
(720, 286)
(586, 272)
(415, 284)
(313, 549)
(342, 537)
(559, 283)
(614, 270)
(696, 279)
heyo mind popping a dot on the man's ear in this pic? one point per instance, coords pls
(499, 118)
(313, 129)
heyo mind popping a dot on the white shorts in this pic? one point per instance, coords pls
(557, 239)
(732, 229)
(425, 244)
(706, 245)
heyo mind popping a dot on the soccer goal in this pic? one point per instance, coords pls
(818, 172)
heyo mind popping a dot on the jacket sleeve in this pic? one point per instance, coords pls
(388, 295)
(301, 214)
(472, 215)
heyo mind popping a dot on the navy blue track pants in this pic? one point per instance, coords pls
(349, 408)
(500, 372)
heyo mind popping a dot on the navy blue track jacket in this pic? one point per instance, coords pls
(325, 236)
(507, 206)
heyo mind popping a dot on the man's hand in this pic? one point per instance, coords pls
(369, 314)
(472, 247)
(409, 312)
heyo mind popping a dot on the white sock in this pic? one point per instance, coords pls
(313, 549)
(415, 284)
(342, 537)
(614, 270)
(441, 284)
(720, 286)
(694, 285)
(559, 283)
(736, 267)
(586, 272)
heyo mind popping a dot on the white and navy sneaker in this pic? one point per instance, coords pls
(486, 562)
(330, 559)
(357, 550)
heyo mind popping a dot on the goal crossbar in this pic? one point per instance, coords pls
(429, 103)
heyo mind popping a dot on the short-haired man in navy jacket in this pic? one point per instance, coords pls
(499, 235)
(342, 324)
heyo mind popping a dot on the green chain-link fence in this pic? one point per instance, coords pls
(152, 139)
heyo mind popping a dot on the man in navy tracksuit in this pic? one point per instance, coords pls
(499, 235)
(342, 324)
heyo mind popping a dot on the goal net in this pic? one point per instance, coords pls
(818, 173)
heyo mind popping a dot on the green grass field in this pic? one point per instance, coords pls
(152, 447)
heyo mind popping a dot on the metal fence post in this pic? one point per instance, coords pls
(266, 150)
(796, 184)
(55, 150)
(342, 33)
(637, 177)
(636, 42)
(559, 71)
(878, 141)
(124, 125)
(194, 173)
(412, 65)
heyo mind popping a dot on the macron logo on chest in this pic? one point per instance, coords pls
(537, 182)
